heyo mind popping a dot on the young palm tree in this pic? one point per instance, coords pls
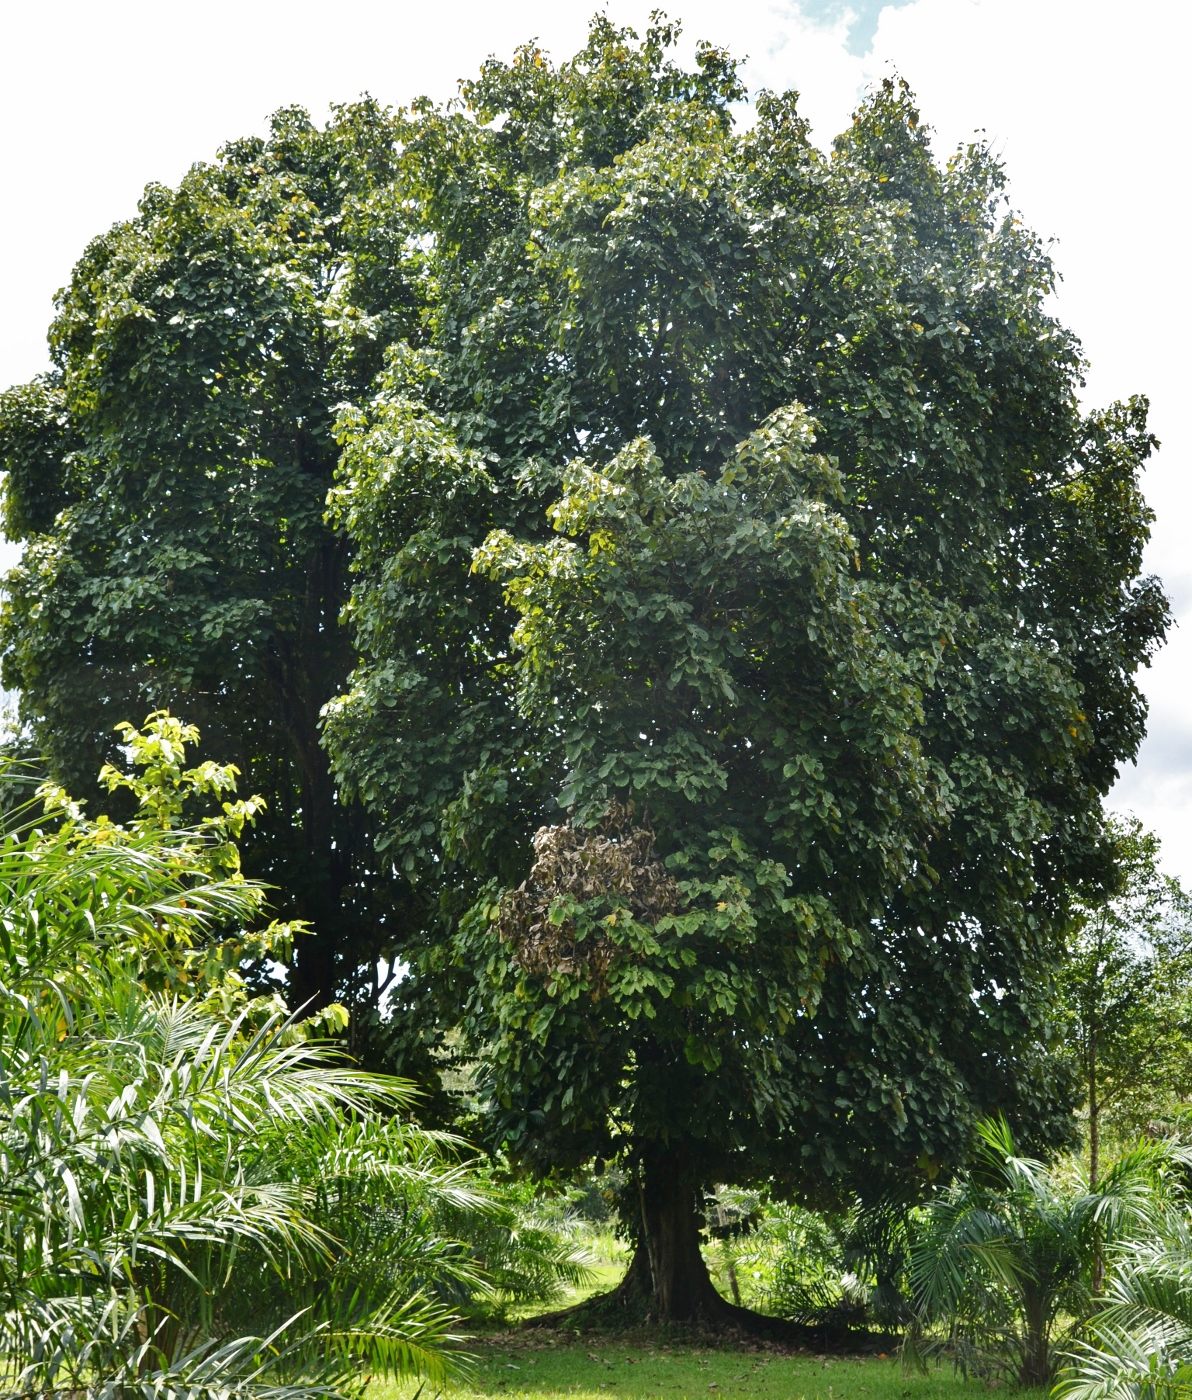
(1141, 1339)
(1009, 1249)
(167, 1142)
(152, 1149)
(140, 1183)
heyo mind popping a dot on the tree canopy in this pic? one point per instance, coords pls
(740, 522)
(743, 614)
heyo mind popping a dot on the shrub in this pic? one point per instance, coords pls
(200, 1196)
(1006, 1255)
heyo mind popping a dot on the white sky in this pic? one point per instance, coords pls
(1082, 98)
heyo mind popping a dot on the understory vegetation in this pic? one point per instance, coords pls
(201, 1194)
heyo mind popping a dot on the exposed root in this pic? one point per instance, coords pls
(629, 1308)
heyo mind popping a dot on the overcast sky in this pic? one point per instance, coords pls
(1083, 100)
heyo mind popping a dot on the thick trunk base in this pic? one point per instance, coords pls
(667, 1284)
(632, 1307)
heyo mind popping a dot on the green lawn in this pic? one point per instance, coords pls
(542, 1368)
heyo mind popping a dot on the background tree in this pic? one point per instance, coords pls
(1125, 997)
(813, 702)
(167, 482)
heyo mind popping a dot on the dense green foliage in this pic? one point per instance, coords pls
(835, 588)
(718, 509)
(200, 1196)
(168, 483)
(839, 1273)
(159, 1146)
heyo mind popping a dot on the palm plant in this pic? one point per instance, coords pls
(405, 1218)
(167, 1143)
(1008, 1251)
(527, 1253)
(1140, 1347)
(139, 1184)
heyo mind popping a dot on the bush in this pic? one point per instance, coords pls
(200, 1196)
(1007, 1254)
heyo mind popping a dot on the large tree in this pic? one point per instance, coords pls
(747, 619)
(732, 808)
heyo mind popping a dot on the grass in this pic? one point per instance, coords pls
(550, 1367)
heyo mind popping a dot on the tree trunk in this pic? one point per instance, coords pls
(1094, 1115)
(314, 888)
(312, 973)
(667, 1281)
(1036, 1358)
(680, 1289)
(1098, 1276)
(310, 673)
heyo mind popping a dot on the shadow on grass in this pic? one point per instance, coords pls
(550, 1366)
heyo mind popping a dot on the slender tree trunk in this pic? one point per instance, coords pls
(317, 888)
(1094, 1115)
(311, 673)
(734, 1283)
(730, 1263)
(1098, 1275)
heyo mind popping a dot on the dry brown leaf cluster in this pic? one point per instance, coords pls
(612, 866)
